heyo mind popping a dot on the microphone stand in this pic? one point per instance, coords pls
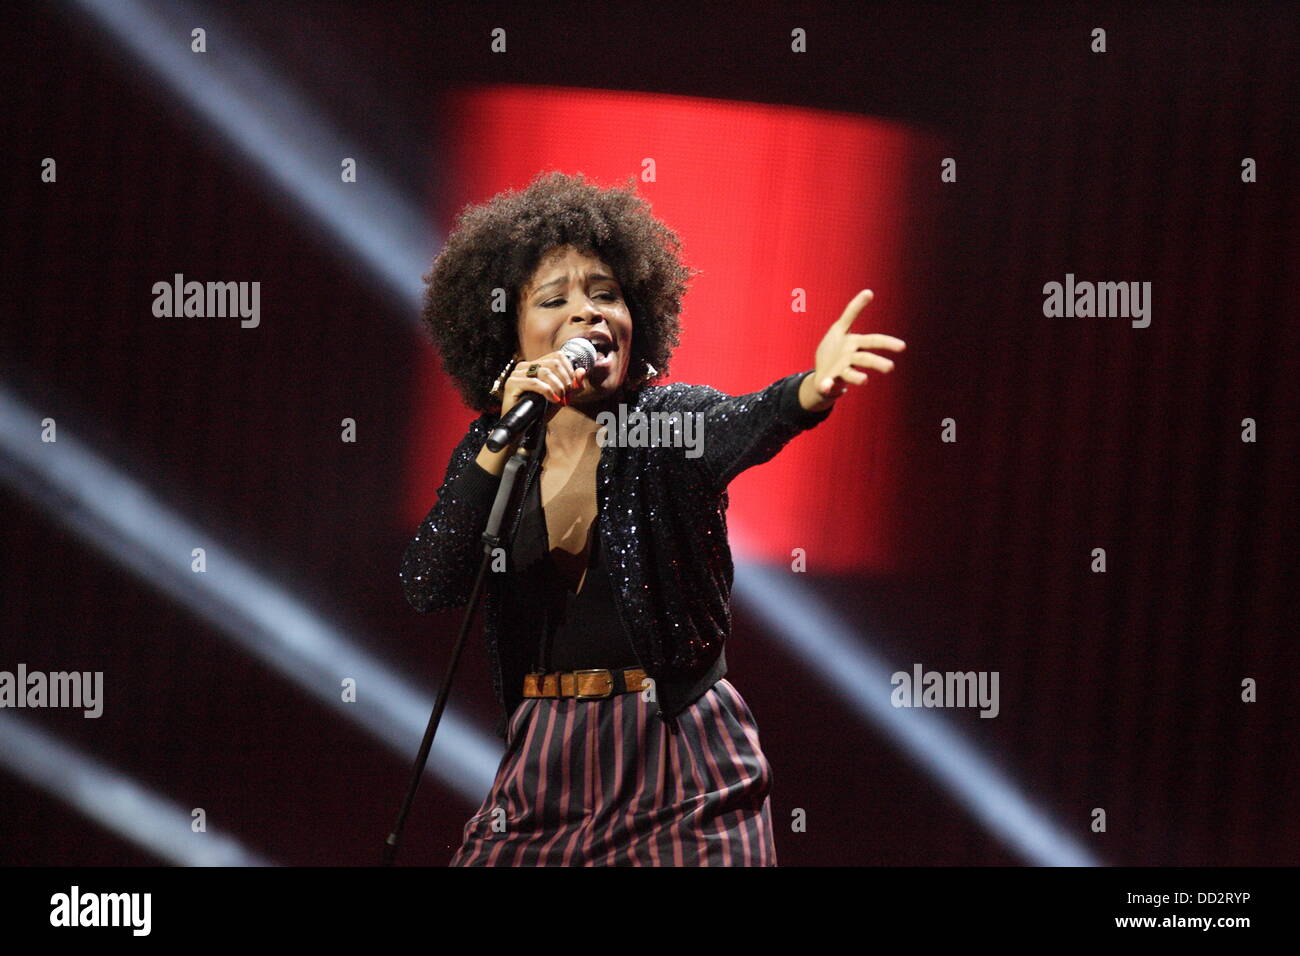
(491, 540)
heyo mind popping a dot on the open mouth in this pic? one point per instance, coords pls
(605, 350)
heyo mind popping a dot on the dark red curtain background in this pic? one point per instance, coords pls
(1120, 690)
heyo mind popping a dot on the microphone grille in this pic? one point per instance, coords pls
(580, 352)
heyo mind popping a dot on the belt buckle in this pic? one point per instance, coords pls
(577, 695)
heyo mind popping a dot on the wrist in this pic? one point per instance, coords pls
(809, 398)
(494, 462)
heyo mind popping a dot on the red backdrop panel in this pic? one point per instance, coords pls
(767, 200)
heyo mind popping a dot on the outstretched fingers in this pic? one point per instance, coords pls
(862, 359)
(878, 340)
(856, 305)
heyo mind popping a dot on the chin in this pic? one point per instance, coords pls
(610, 384)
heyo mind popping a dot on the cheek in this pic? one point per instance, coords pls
(533, 334)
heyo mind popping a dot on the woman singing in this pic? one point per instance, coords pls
(607, 616)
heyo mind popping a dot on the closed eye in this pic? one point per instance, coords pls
(609, 297)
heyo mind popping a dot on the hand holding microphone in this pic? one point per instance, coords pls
(535, 382)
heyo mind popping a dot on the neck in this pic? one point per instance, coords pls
(572, 429)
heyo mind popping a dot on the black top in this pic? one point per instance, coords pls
(579, 631)
(663, 528)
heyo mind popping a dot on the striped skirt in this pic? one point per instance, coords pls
(606, 783)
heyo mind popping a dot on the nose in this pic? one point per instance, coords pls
(588, 313)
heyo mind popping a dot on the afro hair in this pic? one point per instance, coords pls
(496, 246)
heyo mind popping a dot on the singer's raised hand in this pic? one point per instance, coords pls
(555, 381)
(842, 358)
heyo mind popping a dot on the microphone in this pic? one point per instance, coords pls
(581, 353)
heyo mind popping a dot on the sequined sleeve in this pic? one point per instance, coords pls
(741, 431)
(441, 560)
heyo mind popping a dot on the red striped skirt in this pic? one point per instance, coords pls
(607, 783)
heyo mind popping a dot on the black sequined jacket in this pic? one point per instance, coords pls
(663, 530)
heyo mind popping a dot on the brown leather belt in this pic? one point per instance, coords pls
(584, 685)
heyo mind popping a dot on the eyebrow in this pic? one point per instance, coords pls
(594, 277)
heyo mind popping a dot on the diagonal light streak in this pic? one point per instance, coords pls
(114, 800)
(295, 147)
(123, 519)
(840, 658)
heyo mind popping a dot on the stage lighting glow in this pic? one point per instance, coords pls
(129, 523)
(821, 640)
(114, 800)
(295, 148)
